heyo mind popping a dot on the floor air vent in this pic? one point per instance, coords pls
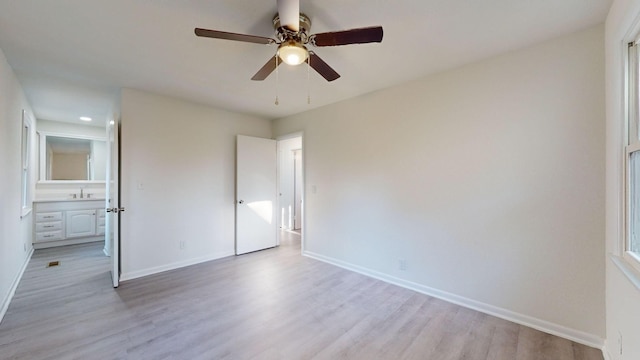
(53, 263)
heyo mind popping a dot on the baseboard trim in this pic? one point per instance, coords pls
(176, 265)
(605, 352)
(538, 324)
(14, 286)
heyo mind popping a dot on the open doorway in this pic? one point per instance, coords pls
(290, 184)
(297, 190)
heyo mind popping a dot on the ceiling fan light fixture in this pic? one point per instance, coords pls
(293, 53)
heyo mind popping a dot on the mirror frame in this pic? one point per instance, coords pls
(42, 153)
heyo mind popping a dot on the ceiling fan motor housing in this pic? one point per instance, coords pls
(283, 33)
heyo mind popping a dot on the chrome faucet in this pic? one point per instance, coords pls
(81, 193)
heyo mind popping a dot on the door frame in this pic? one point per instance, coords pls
(303, 223)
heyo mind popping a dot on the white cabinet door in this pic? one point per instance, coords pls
(81, 223)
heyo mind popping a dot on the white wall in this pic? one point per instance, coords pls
(15, 233)
(622, 297)
(486, 181)
(99, 159)
(178, 181)
(286, 185)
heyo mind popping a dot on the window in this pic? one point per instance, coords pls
(25, 163)
(632, 159)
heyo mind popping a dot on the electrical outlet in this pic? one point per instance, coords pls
(402, 264)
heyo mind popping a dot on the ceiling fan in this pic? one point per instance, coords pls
(292, 37)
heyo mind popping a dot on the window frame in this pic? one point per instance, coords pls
(26, 143)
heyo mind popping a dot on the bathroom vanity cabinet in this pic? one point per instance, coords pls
(58, 223)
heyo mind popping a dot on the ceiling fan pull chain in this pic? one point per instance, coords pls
(308, 81)
(277, 76)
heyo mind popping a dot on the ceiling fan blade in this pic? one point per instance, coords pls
(346, 37)
(267, 69)
(322, 67)
(289, 13)
(233, 36)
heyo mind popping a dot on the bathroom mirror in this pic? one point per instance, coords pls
(72, 158)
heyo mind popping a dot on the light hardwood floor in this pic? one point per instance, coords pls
(272, 304)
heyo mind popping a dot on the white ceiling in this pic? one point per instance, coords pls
(72, 56)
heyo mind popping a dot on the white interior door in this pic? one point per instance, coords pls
(112, 216)
(256, 189)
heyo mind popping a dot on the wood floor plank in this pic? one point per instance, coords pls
(504, 342)
(272, 304)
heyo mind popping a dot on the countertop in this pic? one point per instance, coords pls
(67, 200)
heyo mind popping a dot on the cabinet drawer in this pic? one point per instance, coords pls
(48, 216)
(48, 226)
(49, 235)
